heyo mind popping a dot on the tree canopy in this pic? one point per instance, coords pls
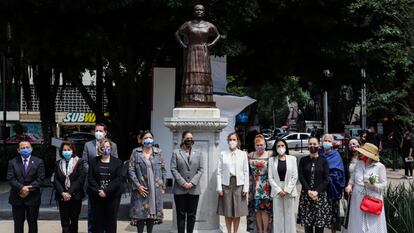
(267, 41)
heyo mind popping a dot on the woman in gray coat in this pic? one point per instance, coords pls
(148, 175)
(187, 169)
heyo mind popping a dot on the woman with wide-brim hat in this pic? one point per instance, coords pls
(369, 178)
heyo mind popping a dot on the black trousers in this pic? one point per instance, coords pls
(105, 214)
(408, 167)
(186, 207)
(310, 230)
(69, 215)
(23, 212)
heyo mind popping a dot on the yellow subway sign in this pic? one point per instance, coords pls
(80, 117)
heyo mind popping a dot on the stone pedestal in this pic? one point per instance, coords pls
(205, 124)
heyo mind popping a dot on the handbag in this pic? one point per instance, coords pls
(343, 206)
(371, 205)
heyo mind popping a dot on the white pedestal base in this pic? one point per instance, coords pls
(205, 124)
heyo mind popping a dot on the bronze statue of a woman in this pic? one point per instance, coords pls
(193, 36)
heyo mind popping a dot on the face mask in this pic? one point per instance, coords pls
(364, 158)
(148, 142)
(259, 149)
(233, 145)
(351, 149)
(67, 154)
(25, 153)
(281, 150)
(107, 150)
(327, 145)
(188, 143)
(99, 135)
(313, 149)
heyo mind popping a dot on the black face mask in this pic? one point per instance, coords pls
(313, 149)
(188, 143)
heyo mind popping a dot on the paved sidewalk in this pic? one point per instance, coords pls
(52, 223)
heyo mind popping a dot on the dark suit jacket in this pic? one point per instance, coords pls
(17, 179)
(77, 179)
(89, 152)
(115, 187)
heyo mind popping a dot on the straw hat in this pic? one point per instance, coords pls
(370, 151)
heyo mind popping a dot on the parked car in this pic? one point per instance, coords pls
(80, 137)
(267, 133)
(297, 140)
(294, 141)
(24, 137)
(339, 140)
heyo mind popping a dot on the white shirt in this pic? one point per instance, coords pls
(233, 164)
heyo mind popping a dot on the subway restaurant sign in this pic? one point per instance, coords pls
(80, 117)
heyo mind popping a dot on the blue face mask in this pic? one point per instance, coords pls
(327, 145)
(25, 153)
(106, 150)
(67, 154)
(148, 142)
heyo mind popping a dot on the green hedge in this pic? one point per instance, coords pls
(399, 208)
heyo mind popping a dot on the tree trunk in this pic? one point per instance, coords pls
(75, 79)
(99, 87)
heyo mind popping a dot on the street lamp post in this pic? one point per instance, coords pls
(363, 100)
(327, 74)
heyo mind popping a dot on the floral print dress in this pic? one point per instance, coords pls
(261, 187)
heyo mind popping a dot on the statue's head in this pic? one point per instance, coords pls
(199, 11)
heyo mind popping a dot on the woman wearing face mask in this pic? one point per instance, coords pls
(232, 183)
(68, 181)
(314, 210)
(336, 179)
(187, 167)
(260, 203)
(148, 175)
(105, 188)
(369, 178)
(351, 159)
(283, 175)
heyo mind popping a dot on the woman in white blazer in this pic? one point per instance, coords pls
(283, 175)
(232, 183)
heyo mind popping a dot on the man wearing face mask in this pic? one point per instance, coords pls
(90, 152)
(336, 178)
(25, 174)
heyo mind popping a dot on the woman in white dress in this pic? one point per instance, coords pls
(368, 178)
(283, 175)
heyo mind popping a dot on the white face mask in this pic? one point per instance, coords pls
(232, 144)
(99, 135)
(281, 150)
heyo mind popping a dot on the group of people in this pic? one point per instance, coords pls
(261, 184)
(325, 177)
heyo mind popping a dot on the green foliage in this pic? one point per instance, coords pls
(272, 98)
(399, 208)
(234, 86)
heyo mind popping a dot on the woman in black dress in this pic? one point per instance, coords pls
(68, 181)
(105, 188)
(314, 211)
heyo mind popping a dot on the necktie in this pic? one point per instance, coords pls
(25, 166)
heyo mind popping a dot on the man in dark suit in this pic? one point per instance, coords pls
(90, 152)
(25, 174)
